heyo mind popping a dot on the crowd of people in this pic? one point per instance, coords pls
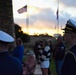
(45, 51)
(63, 52)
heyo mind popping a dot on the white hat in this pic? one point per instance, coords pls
(71, 22)
(70, 26)
(5, 37)
(30, 52)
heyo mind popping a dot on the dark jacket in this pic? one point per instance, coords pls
(59, 52)
(9, 65)
(69, 64)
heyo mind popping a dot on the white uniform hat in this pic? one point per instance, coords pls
(5, 37)
(70, 26)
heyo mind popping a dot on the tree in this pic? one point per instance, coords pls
(19, 34)
(18, 31)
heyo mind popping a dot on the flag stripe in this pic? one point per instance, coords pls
(22, 10)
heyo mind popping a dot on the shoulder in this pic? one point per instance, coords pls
(69, 57)
(20, 47)
(14, 60)
(47, 48)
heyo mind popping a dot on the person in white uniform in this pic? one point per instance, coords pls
(9, 65)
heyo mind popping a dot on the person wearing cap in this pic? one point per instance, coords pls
(69, 64)
(9, 65)
(18, 51)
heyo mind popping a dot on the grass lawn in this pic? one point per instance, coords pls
(52, 68)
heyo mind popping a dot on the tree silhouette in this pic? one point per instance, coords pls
(18, 31)
(19, 34)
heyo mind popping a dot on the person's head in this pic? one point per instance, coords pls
(70, 32)
(37, 43)
(45, 43)
(30, 54)
(5, 39)
(18, 42)
(50, 42)
(41, 43)
(59, 39)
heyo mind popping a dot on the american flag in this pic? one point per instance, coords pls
(22, 10)
(57, 13)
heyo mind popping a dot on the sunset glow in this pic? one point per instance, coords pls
(42, 15)
(43, 31)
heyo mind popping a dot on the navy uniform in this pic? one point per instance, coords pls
(9, 65)
(69, 64)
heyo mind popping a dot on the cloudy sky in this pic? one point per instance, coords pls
(42, 15)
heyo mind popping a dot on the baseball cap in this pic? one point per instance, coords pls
(70, 26)
(5, 37)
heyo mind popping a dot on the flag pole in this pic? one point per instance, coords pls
(58, 17)
(22, 10)
(27, 21)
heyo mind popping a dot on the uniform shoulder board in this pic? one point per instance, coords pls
(73, 55)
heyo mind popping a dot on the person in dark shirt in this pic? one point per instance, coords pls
(69, 64)
(59, 54)
(9, 65)
(35, 49)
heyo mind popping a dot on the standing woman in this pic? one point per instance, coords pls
(50, 43)
(44, 56)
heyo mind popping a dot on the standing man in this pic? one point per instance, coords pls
(9, 65)
(18, 52)
(59, 54)
(69, 64)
